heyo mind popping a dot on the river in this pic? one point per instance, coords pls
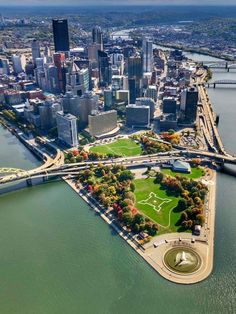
(58, 257)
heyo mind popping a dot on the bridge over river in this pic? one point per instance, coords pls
(227, 65)
(222, 82)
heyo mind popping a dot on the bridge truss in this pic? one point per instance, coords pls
(11, 170)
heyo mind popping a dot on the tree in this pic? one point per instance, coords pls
(130, 195)
(127, 218)
(136, 228)
(126, 175)
(159, 177)
(139, 219)
(132, 187)
(182, 204)
(200, 219)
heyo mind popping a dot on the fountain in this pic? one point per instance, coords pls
(182, 260)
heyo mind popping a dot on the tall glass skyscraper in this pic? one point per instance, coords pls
(97, 37)
(147, 48)
(60, 35)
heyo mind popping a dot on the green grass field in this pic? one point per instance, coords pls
(195, 174)
(121, 147)
(154, 203)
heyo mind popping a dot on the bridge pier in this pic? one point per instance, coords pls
(29, 182)
(214, 85)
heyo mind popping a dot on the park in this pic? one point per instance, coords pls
(121, 147)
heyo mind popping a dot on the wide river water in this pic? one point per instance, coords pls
(58, 257)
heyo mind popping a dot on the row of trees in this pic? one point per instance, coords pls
(81, 155)
(192, 193)
(113, 187)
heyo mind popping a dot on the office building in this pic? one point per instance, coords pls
(123, 96)
(145, 101)
(77, 80)
(60, 35)
(137, 116)
(104, 68)
(169, 105)
(59, 59)
(4, 67)
(47, 113)
(35, 50)
(102, 123)
(108, 98)
(97, 37)
(19, 63)
(135, 89)
(147, 55)
(52, 80)
(167, 121)
(189, 103)
(67, 128)
(87, 103)
(118, 61)
(70, 103)
(93, 53)
(152, 92)
(135, 67)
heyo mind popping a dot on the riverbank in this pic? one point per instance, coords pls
(154, 251)
(191, 50)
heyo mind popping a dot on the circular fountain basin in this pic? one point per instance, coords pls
(182, 260)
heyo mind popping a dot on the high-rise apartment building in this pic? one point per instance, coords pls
(67, 128)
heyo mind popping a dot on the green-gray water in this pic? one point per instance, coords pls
(57, 256)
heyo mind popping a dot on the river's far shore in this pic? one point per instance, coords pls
(154, 251)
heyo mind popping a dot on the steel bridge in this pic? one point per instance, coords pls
(11, 170)
(222, 82)
(227, 65)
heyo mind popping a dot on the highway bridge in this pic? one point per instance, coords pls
(136, 161)
(222, 82)
(227, 65)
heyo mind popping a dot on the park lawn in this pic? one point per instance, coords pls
(195, 174)
(166, 217)
(121, 147)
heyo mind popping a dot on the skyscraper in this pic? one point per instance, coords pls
(135, 67)
(189, 102)
(147, 49)
(59, 59)
(67, 128)
(104, 68)
(60, 35)
(35, 50)
(97, 37)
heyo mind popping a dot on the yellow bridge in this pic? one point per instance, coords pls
(11, 170)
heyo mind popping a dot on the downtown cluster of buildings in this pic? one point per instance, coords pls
(94, 87)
